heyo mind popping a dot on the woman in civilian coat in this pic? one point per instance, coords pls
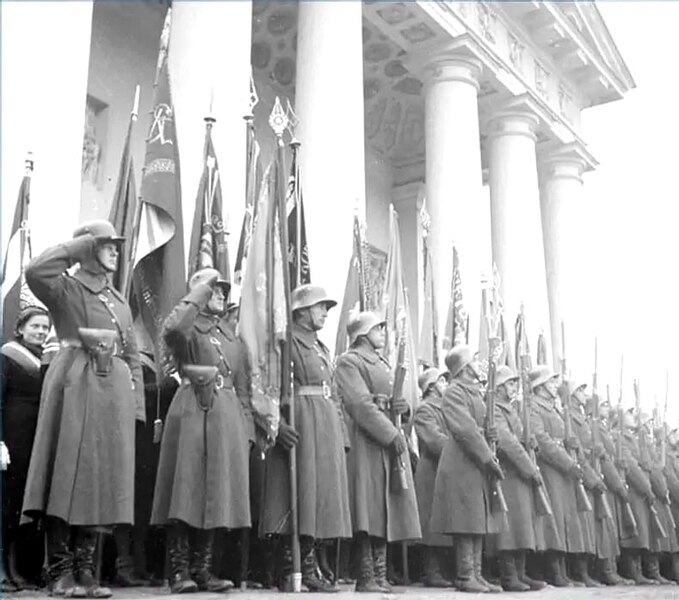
(431, 436)
(461, 493)
(380, 512)
(202, 482)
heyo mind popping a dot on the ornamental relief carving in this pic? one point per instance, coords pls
(516, 49)
(541, 80)
(487, 21)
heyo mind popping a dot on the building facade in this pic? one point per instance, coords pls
(472, 108)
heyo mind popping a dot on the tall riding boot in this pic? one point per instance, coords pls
(478, 564)
(582, 572)
(366, 573)
(85, 546)
(508, 575)
(125, 575)
(466, 580)
(609, 575)
(675, 566)
(432, 569)
(651, 568)
(310, 568)
(631, 560)
(563, 565)
(178, 549)
(520, 562)
(200, 543)
(379, 548)
(553, 572)
(60, 560)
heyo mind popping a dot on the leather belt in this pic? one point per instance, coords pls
(220, 382)
(315, 390)
(73, 343)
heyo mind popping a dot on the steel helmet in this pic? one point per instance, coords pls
(308, 295)
(99, 228)
(362, 323)
(428, 378)
(458, 358)
(503, 374)
(541, 374)
(203, 275)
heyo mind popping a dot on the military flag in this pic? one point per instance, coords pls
(428, 350)
(457, 322)
(208, 246)
(542, 350)
(15, 293)
(298, 249)
(159, 277)
(123, 213)
(521, 338)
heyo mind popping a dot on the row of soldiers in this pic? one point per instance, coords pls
(477, 482)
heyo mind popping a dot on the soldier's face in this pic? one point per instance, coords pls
(441, 385)
(318, 313)
(376, 336)
(552, 386)
(216, 303)
(512, 388)
(107, 255)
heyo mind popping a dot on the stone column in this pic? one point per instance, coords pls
(204, 35)
(561, 196)
(515, 217)
(45, 56)
(329, 105)
(453, 174)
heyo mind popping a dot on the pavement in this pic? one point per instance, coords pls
(400, 593)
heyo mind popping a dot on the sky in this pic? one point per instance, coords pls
(630, 241)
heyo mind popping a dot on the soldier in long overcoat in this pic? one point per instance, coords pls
(521, 478)
(462, 497)
(672, 475)
(381, 511)
(320, 437)
(431, 436)
(595, 528)
(202, 481)
(82, 465)
(563, 533)
(641, 499)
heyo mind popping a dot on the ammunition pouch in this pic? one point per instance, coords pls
(102, 346)
(205, 380)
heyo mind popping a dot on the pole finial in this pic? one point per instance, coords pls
(278, 119)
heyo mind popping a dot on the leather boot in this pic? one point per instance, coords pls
(563, 566)
(675, 566)
(310, 568)
(366, 573)
(466, 580)
(60, 560)
(508, 575)
(631, 560)
(432, 570)
(553, 572)
(85, 545)
(609, 575)
(651, 568)
(201, 541)
(520, 562)
(478, 565)
(125, 575)
(379, 548)
(581, 563)
(178, 550)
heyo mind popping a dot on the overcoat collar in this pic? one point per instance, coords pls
(96, 282)
(369, 354)
(304, 336)
(544, 403)
(205, 322)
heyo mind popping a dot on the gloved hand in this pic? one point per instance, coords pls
(4, 457)
(491, 433)
(287, 436)
(535, 478)
(624, 495)
(533, 443)
(494, 469)
(649, 499)
(399, 444)
(600, 486)
(571, 444)
(208, 276)
(576, 471)
(598, 450)
(400, 406)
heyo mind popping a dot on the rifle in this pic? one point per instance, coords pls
(581, 497)
(646, 460)
(602, 509)
(399, 480)
(542, 505)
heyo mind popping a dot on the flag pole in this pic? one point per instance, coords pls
(279, 123)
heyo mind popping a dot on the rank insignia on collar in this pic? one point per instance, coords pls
(215, 341)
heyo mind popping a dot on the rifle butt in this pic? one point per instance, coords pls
(602, 508)
(657, 523)
(582, 500)
(498, 503)
(628, 522)
(399, 478)
(543, 508)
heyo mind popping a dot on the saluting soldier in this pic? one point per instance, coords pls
(521, 477)
(431, 433)
(563, 533)
(381, 512)
(202, 481)
(320, 437)
(462, 499)
(596, 544)
(82, 465)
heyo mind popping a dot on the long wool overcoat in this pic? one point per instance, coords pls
(203, 470)
(662, 494)
(462, 492)
(82, 464)
(616, 491)
(672, 476)
(517, 484)
(562, 533)
(322, 487)
(639, 492)
(431, 436)
(376, 507)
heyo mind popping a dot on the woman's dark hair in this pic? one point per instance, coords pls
(27, 314)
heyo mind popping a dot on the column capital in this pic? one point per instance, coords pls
(458, 60)
(565, 161)
(517, 116)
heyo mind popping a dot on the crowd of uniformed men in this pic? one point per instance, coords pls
(359, 478)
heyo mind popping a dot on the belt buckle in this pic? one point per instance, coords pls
(219, 381)
(327, 393)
